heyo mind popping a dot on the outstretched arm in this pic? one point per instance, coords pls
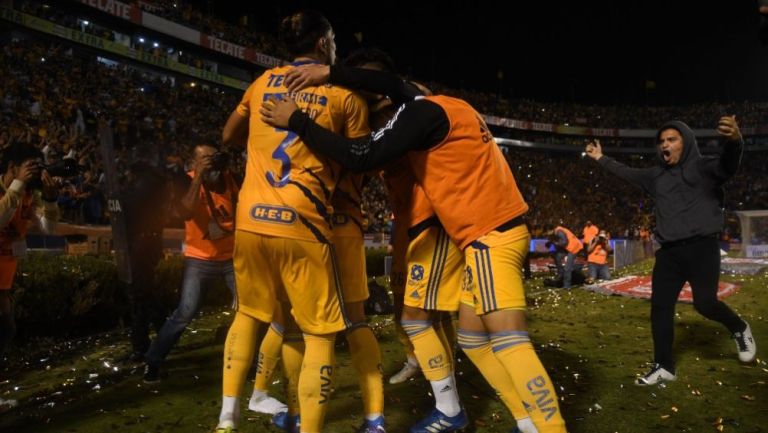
(641, 177)
(418, 125)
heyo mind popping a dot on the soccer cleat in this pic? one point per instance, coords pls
(374, 426)
(151, 374)
(438, 422)
(408, 371)
(285, 422)
(656, 375)
(266, 404)
(745, 345)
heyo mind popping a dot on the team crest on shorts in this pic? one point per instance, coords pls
(417, 273)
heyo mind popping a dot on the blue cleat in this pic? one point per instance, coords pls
(375, 426)
(438, 422)
(288, 423)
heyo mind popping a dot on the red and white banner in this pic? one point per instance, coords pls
(640, 287)
(143, 18)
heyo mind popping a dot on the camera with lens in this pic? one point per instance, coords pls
(65, 168)
(219, 161)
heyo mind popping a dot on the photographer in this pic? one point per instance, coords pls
(28, 195)
(567, 245)
(208, 208)
(597, 257)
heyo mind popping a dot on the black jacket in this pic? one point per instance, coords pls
(688, 196)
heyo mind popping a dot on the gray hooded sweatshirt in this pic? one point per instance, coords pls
(688, 196)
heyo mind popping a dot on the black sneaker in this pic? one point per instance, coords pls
(151, 374)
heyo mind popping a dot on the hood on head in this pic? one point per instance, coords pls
(690, 146)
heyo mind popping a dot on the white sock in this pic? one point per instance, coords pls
(412, 361)
(230, 412)
(258, 395)
(446, 396)
(526, 425)
(372, 416)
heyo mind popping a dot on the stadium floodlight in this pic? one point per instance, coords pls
(155, 44)
(86, 22)
(141, 40)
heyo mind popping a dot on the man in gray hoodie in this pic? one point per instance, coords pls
(687, 190)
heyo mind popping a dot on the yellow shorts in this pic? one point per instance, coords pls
(494, 271)
(268, 269)
(434, 271)
(351, 254)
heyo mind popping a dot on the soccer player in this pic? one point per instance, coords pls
(283, 245)
(462, 171)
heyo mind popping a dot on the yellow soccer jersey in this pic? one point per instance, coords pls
(347, 206)
(287, 188)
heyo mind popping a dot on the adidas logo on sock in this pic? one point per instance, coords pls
(446, 389)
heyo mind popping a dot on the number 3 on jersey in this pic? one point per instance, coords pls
(285, 160)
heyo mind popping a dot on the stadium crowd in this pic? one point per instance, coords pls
(53, 97)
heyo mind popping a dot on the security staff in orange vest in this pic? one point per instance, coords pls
(588, 233)
(645, 238)
(597, 259)
(568, 245)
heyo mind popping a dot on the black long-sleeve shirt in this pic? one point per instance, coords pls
(418, 124)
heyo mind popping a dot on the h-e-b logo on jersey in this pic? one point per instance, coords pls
(273, 214)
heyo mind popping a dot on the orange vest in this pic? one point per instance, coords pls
(598, 255)
(198, 245)
(589, 233)
(574, 244)
(15, 230)
(466, 178)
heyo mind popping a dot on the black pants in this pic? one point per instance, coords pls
(698, 262)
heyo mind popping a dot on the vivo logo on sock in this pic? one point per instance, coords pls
(326, 372)
(544, 401)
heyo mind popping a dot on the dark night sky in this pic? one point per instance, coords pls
(586, 52)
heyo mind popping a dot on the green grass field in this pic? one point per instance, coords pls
(591, 344)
